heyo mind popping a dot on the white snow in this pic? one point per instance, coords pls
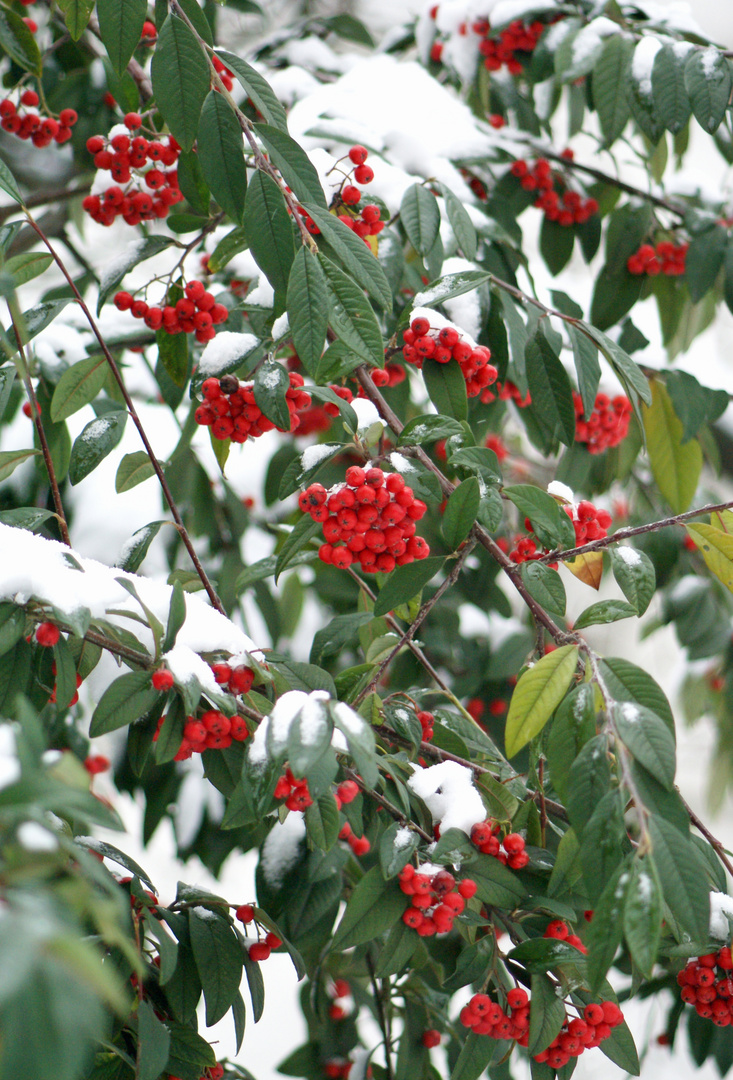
(204, 913)
(591, 37)
(402, 838)
(628, 555)
(262, 295)
(629, 711)
(9, 764)
(293, 704)
(185, 665)
(280, 327)
(709, 58)
(282, 847)
(33, 837)
(556, 487)
(448, 792)
(436, 320)
(400, 463)
(349, 720)
(366, 414)
(721, 905)
(643, 62)
(314, 455)
(223, 350)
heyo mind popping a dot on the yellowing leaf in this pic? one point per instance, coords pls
(676, 465)
(723, 519)
(536, 696)
(588, 568)
(716, 548)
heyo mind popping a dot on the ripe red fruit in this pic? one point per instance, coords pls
(241, 680)
(431, 1038)
(273, 941)
(259, 951)
(29, 97)
(347, 791)
(68, 117)
(245, 913)
(364, 174)
(350, 194)
(467, 888)
(358, 154)
(95, 764)
(162, 679)
(47, 634)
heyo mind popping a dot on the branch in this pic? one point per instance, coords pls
(636, 530)
(716, 844)
(138, 73)
(388, 806)
(216, 602)
(381, 1016)
(43, 199)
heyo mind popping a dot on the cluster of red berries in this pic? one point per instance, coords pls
(518, 36)
(426, 723)
(710, 991)
(41, 130)
(365, 222)
(127, 160)
(259, 950)
(486, 1017)
(606, 426)
(195, 313)
(210, 731)
(389, 375)
(589, 523)
(294, 791)
(506, 391)
(360, 845)
(560, 931)
(566, 207)
(369, 519)
(350, 196)
(666, 258)
(230, 409)
(435, 899)
(579, 1034)
(485, 835)
(423, 342)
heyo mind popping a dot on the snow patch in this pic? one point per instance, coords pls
(643, 62)
(448, 792)
(366, 414)
(314, 455)
(721, 905)
(282, 847)
(33, 837)
(556, 487)
(223, 350)
(628, 555)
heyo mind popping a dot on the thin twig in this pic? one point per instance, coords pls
(43, 199)
(216, 602)
(716, 844)
(381, 1016)
(395, 812)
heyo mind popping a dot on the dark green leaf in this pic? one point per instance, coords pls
(18, 42)
(180, 79)
(546, 586)
(352, 318)
(27, 266)
(76, 13)
(449, 286)
(550, 387)
(397, 950)
(446, 387)
(588, 781)
(550, 523)
(25, 517)
(297, 475)
(684, 885)
(258, 89)
(356, 257)
(11, 459)
(154, 1043)
(271, 384)
(620, 1049)
(428, 428)
(307, 305)
(304, 531)
(609, 74)
(120, 27)
(339, 633)
(708, 84)
(604, 611)
(394, 857)
(133, 470)
(218, 957)
(293, 162)
(634, 572)
(668, 88)
(78, 385)
(643, 914)
(125, 700)
(221, 155)
(374, 905)
(587, 367)
(547, 1014)
(135, 253)
(604, 933)
(9, 184)
(704, 260)
(270, 234)
(321, 819)
(97, 440)
(137, 546)
(460, 512)
(460, 221)
(405, 582)
(230, 245)
(475, 1055)
(627, 369)
(420, 217)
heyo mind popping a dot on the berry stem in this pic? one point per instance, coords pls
(21, 364)
(215, 601)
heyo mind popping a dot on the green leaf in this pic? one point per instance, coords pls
(180, 75)
(221, 155)
(76, 13)
(460, 221)
(120, 28)
(406, 582)
(321, 819)
(694, 404)
(460, 512)
(449, 286)
(428, 428)
(716, 548)
(684, 885)
(307, 306)
(704, 260)
(133, 470)
(296, 475)
(325, 393)
(604, 611)
(309, 737)
(620, 1049)
(78, 385)
(36, 318)
(25, 517)
(546, 1016)
(634, 573)
(125, 700)
(218, 957)
(479, 461)
(339, 633)
(496, 884)
(374, 905)
(550, 387)
(627, 682)
(614, 295)
(588, 781)
(258, 89)
(190, 1054)
(270, 234)
(556, 244)
(391, 857)
(200, 23)
(154, 1042)
(587, 367)
(294, 164)
(97, 440)
(676, 466)
(357, 258)
(397, 950)
(648, 738)
(708, 84)
(9, 184)
(643, 914)
(546, 586)
(27, 266)
(476, 1053)
(420, 217)
(604, 933)
(550, 523)
(668, 88)
(271, 384)
(609, 75)
(446, 387)
(10, 459)
(536, 696)
(137, 546)
(18, 42)
(230, 245)
(352, 318)
(136, 252)
(304, 531)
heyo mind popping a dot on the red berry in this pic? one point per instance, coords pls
(431, 1038)
(95, 764)
(68, 117)
(350, 194)
(364, 174)
(358, 154)
(29, 97)
(259, 951)
(47, 634)
(162, 679)
(245, 913)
